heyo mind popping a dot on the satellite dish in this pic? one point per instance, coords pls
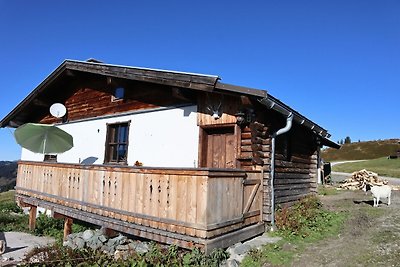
(58, 110)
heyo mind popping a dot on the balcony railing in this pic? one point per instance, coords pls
(197, 203)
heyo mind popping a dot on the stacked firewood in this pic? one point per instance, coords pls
(359, 178)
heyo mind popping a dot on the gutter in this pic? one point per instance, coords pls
(283, 130)
(273, 103)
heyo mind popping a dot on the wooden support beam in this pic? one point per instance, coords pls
(57, 215)
(32, 218)
(233, 237)
(67, 227)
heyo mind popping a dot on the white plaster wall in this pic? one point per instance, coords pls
(162, 138)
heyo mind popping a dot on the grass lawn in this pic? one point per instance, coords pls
(382, 166)
(7, 197)
(11, 216)
(300, 226)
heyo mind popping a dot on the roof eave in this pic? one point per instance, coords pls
(273, 103)
(240, 89)
(329, 143)
(53, 75)
(171, 78)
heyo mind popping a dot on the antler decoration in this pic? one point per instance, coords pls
(215, 112)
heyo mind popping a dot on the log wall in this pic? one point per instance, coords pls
(295, 159)
(255, 154)
(295, 165)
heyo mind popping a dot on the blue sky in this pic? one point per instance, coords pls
(336, 62)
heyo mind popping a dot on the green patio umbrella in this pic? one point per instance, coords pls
(43, 138)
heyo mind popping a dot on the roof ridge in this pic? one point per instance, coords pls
(97, 62)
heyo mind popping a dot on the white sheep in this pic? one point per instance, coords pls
(383, 191)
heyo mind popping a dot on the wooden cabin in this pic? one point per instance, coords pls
(169, 156)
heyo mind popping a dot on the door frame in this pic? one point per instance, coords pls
(203, 144)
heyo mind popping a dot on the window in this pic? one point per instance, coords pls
(119, 94)
(117, 143)
(50, 158)
(283, 145)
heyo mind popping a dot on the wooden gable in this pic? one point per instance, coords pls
(94, 99)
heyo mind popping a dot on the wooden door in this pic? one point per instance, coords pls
(218, 147)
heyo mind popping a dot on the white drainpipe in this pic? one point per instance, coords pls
(319, 167)
(283, 130)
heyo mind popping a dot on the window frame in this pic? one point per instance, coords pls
(118, 95)
(283, 145)
(50, 158)
(107, 155)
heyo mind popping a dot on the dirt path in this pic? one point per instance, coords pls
(18, 244)
(371, 236)
(346, 161)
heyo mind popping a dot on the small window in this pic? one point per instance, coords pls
(50, 158)
(117, 143)
(284, 146)
(119, 94)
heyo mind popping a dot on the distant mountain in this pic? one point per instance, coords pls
(8, 175)
(363, 150)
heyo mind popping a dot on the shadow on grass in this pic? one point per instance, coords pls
(368, 202)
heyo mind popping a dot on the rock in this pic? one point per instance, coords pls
(118, 254)
(79, 243)
(132, 246)
(88, 234)
(237, 257)
(238, 252)
(122, 247)
(142, 247)
(230, 263)
(120, 239)
(234, 246)
(107, 249)
(259, 241)
(73, 246)
(97, 233)
(94, 243)
(103, 238)
(241, 249)
(71, 237)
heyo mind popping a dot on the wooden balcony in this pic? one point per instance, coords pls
(201, 207)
